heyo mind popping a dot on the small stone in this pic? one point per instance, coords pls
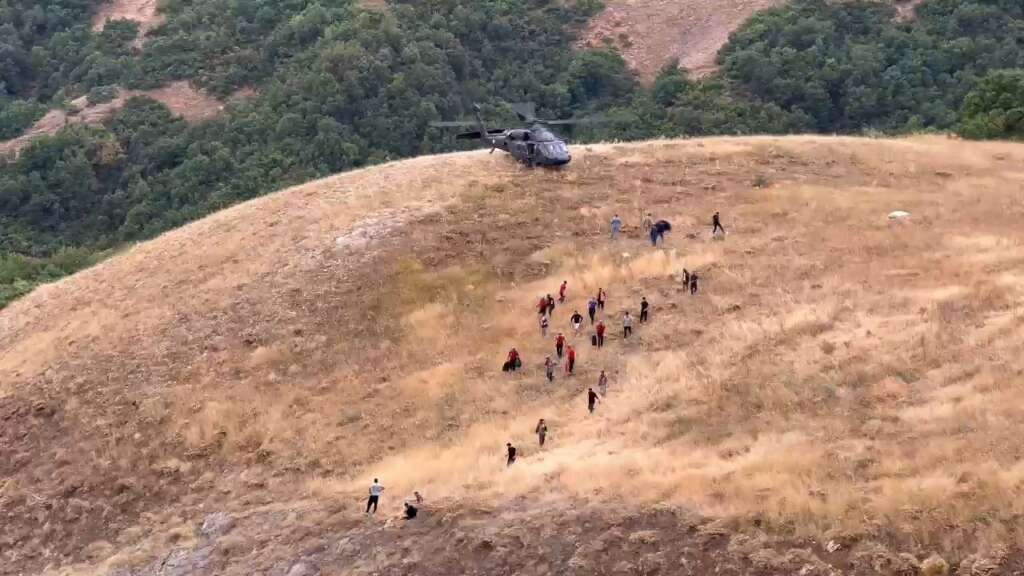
(934, 565)
(301, 569)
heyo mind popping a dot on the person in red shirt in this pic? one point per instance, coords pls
(513, 360)
(600, 333)
(542, 306)
(561, 291)
(559, 344)
(570, 364)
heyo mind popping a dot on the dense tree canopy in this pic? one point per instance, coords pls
(995, 109)
(340, 86)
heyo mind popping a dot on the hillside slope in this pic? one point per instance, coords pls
(650, 33)
(842, 395)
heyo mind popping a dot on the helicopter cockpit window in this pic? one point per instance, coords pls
(555, 148)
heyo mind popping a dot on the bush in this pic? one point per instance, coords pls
(102, 94)
(16, 117)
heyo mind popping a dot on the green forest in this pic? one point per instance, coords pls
(339, 87)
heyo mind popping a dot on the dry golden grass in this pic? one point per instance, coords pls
(838, 376)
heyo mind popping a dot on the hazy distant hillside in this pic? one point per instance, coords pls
(236, 99)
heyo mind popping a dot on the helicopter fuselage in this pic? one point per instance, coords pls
(536, 146)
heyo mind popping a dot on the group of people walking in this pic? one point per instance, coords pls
(564, 350)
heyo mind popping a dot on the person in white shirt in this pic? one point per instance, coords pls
(375, 490)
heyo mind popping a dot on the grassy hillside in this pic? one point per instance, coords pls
(326, 86)
(840, 396)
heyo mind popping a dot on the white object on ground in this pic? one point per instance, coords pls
(898, 215)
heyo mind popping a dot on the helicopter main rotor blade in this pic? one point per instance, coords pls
(457, 124)
(570, 121)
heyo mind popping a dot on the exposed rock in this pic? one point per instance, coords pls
(301, 569)
(217, 524)
(644, 537)
(934, 565)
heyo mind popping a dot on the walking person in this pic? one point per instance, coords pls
(511, 453)
(514, 361)
(549, 368)
(716, 224)
(592, 309)
(654, 236)
(627, 325)
(542, 306)
(693, 283)
(570, 359)
(602, 383)
(648, 222)
(686, 279)
(551, 305)
(616, 227)
(375, 490)
(541, 431)
(644, 306)
(576, 321)
(592, 400)
(559, 345)
(544, 326)
(600, 333)
(600, 298)
(561, 292)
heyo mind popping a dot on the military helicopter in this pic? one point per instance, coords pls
(532, 146)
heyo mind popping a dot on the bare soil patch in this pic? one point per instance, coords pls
(649, 33)
(180, 97)
(145, 12)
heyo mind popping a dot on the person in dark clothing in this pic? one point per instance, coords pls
(511, 453)
(686, 279)
(600, 298)
(658, 231)
(551, 305)
(576, 321)
(542, 306)
(693, 283)
(716, 224)
(410, 511)
(570, 360)
(541, 431)
(643, 309)
(561, 291)
(592, 400)
(600, 334)
(592, 309)
(559, 345)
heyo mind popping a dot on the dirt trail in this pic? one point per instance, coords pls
(842, 390)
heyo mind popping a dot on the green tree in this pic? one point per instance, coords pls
(995, 109)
